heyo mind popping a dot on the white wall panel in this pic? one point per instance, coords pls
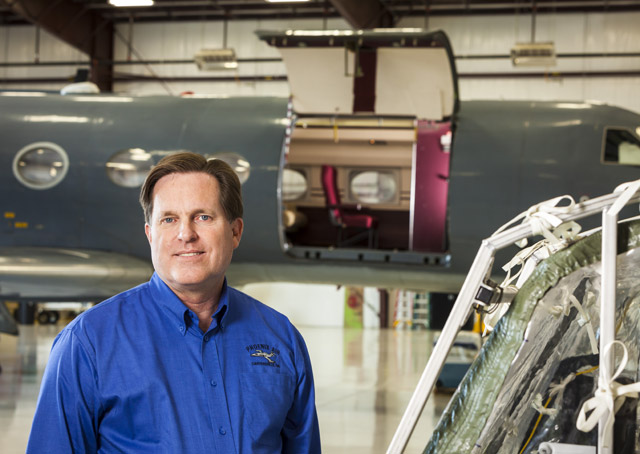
(304, 304)
(571, 33)
(182, 40)
(472, 35)
(18, 44)
(571, 65)
(620, 92)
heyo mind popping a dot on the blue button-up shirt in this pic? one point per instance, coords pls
(135, 374)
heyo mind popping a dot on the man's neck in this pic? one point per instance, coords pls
(202, 303)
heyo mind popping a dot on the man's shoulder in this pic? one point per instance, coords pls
(111, 309)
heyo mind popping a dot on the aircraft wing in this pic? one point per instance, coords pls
(7, 323)
(61, 274)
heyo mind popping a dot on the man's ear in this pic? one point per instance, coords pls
(237, 227)
(147, 231)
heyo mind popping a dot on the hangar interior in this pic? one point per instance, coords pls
(364, 374)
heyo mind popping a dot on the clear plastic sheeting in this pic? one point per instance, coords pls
(540, 363)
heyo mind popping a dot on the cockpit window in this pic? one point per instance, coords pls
(237, 163)
(621, 146)
(129, 168)
(294, 185)
(373, 186)
(41, 165)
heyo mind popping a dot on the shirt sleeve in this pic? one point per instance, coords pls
(65, 420)
(301, 433)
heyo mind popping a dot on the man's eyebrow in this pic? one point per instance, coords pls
(191, 213)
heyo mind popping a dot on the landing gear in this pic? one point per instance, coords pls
(46, 317)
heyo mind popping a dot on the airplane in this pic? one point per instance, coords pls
(372, 173)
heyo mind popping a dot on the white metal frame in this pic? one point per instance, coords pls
(610, 206)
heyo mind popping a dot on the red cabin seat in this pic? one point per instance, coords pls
(353, 227)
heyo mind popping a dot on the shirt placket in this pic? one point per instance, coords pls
(216, 397)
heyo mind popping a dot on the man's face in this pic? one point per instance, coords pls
(191, 239)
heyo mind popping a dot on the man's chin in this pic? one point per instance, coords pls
(192, 282)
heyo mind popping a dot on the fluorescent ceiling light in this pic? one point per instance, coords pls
(216, 59)
(131, 2)
(287, 1)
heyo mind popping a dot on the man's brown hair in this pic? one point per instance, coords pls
(186, 162)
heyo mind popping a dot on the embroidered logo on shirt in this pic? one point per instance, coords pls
(264, 351)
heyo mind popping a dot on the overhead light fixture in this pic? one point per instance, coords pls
(216, 59)
(533, 54)
(287, 1)
(131, 2)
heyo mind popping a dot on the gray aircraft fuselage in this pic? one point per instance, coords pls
(505, 156)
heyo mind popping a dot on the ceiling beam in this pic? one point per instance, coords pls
(364, 14)
(79, 27)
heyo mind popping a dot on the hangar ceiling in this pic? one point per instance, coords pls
(88, 25)
(359, 13)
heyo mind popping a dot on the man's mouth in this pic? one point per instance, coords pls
(189, 254)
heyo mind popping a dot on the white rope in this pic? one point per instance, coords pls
(554, 389)
(544, 221)
(609, 396)
(519, 259)
(540, 408)
(629, 184)
(543, 217)
(584, 320)
(567, 231)
(558, 388)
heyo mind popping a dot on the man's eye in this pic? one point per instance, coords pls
(204, 217)
(166, 221)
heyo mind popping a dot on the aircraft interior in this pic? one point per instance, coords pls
(354, 183)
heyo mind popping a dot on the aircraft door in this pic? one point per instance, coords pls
(430, 186)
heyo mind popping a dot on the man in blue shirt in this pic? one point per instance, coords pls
(182, 363)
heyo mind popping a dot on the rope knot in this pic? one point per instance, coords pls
(609, 396)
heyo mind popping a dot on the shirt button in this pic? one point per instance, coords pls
(181, 328)
(222, 431)
(206, 338)
(214, 383)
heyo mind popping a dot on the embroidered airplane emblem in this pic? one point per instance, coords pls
(264, 355)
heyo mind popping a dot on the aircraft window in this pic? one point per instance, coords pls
(129, 168)
(237, 163)
(41, 165)
(294, 185)
(621, 146)
(373, 186)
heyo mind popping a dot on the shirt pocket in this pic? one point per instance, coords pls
(266, 400)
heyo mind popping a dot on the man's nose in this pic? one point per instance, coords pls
(187, 232)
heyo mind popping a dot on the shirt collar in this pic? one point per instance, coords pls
(220, 315)
(178, 311)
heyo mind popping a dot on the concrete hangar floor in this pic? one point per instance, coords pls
(364, 380)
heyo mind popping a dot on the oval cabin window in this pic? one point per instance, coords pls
(373, 186)
(128, 168)
(294, 185)
(41, 165)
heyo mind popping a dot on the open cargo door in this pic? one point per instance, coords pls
(373, 116)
